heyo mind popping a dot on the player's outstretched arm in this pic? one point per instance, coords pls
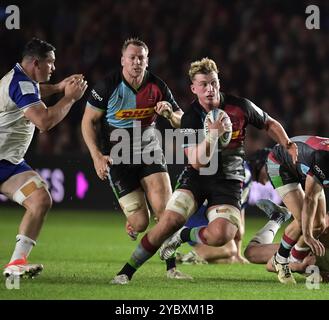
(275, 130)
(47, 90)
(46, 118)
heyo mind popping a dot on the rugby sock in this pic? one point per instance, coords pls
(298, 253)
(267, 233)
(144, 251)
(278, 217)
(23, 247)
(284, 250)
(194, 234)
(171, 263)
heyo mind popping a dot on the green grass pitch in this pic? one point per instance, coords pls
(82, 251)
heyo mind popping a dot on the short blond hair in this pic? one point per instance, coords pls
(135, 42)
(204, 66)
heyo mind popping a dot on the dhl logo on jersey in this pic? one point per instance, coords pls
(135, 113)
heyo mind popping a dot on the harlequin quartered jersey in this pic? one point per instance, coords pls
(18, 92)
(242, 112)
(126, 107)
(313, 157)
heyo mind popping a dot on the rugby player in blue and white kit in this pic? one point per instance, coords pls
(21, 110)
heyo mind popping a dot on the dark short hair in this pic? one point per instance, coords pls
(37, 48)
(134, 42)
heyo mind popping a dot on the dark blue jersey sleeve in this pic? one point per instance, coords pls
(98, 96)
(24, 93)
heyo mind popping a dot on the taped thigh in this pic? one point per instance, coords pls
(227, 212)
(28, 188)
(285, 189)
(182, 203)
(133, 202)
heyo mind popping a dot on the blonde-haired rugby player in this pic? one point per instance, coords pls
(222, 187)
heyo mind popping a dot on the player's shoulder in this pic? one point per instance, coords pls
(194, 110)
(105, 85)
(112, 78)
(18, 76)
(235, 100)
(194, 114)
(256, 115)
(21, 83)
(153, 78)
(7, 78)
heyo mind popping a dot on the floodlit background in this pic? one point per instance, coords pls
(264, 53)
(262, 48)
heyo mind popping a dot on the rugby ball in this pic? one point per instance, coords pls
(212, 116)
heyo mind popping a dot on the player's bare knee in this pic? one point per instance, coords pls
(218, 240)
(39, 203)
(34, 195)
(231, 249)
(140, 225)
(249, 253)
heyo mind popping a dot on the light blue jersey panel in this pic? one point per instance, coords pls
(304, 168)
(123, 98)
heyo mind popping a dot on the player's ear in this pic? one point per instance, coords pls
(147, 61)
(122, 61)
(192, 88)
(36, 62)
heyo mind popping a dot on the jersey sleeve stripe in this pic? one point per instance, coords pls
(93, 107)
(30, 105)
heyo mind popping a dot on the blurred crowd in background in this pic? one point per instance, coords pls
(262, 48)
